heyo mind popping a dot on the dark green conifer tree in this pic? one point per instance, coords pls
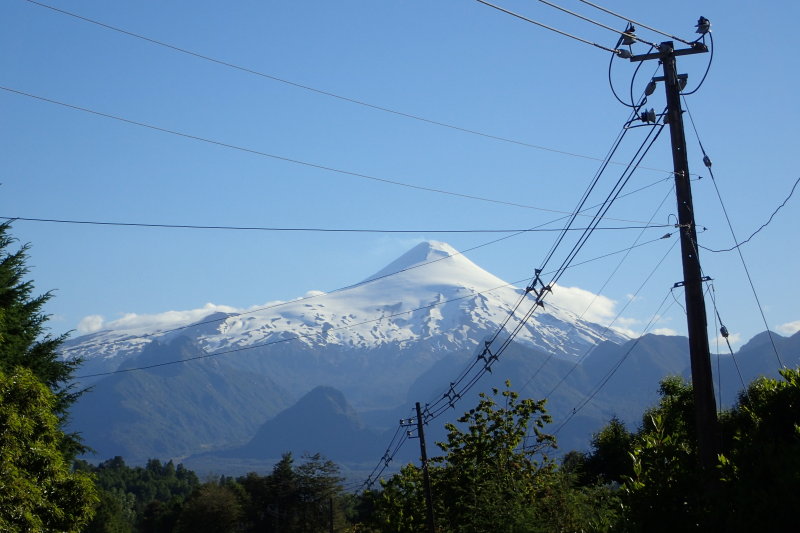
(24, 339)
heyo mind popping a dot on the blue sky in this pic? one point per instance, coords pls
(455, 62)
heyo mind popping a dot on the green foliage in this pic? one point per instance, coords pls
(114, 513)
(38, 490)
(24, 341)
(212, 508)
(485, 482)
(758, 475)
(318, 485)
(610, 460)
(760, 466)
(400, 506)
(662, 492)
(491, 473)
(278, 497)
(563, 505)
(163, 498)
(494, 476)
(146, 495)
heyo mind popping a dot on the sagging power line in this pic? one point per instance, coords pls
(636, 22)
(625, 36)
(285, 159)
(737, 245)
(619, 314)
(617, 51)
(318, 230)
(316, 90)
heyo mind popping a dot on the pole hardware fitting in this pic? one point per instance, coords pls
(488, 360)
(629, 37)
(648, 116)
(683, 77)
(683, 283)
(451, 395)
(703, 26)
(538, 288)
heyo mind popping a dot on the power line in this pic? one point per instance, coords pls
(261, 153)
(592, 184)
(600, 291)
(320, 91)
(579, 208)
(624, 34)
(398, 439)
(453, 395)
(602, 383)
(644, 148)
(665, 236)
(612, 196)
(619, 314)
(708, 66)
(633, 77)
(279, 157)
(636, 22)
(723, 331)
(764, 225)
(307, 229)
(545, 26)
(737, 246)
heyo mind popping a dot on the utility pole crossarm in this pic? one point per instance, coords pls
(697, 48)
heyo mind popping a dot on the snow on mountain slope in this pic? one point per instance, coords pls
(430, 294)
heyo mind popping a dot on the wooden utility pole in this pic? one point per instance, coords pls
(702, 382)
(425, 473)
(330, 515)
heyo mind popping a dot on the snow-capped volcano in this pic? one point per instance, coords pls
(398, 337)
(395, 336)
(432, 294)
